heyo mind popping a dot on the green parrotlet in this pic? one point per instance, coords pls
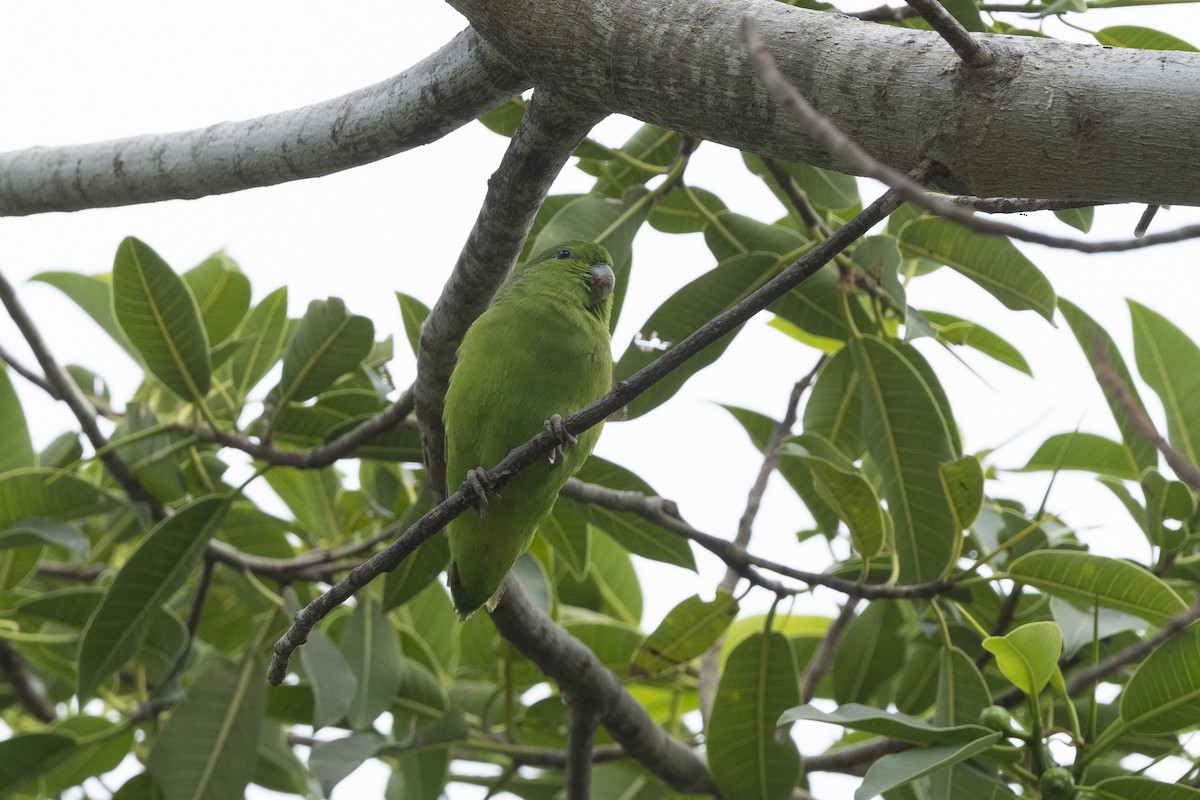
(540, 352)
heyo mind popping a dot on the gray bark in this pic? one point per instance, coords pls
(1045, 119)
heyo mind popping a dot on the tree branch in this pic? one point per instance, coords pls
(65, 389)
(973, 52)
(822, 130)
(581, 738)
(445, 91)
(1110, 122)
(579, 672)
(819, 664)
(547, 135)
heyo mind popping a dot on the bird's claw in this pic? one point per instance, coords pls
(554, 426)
(478, 487)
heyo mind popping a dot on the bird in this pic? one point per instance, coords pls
(540, 352)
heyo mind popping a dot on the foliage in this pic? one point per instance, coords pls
(137, 622)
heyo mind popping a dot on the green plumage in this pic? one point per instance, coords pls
(541, 348)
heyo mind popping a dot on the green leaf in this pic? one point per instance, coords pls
(17, 451)
(157, 312)
(208, 747)
(685, 209)
(794, 470)
(611, 586)
(422, 566)
(1028, 655)
(1166, 501)
(101, 746)
(333, 681)
(1141, 38)
(328, 343)
(909, 440)
(263, 333)
(844, 488)
(758, 684)
(1163, 695)
(1139, 787)
(336, 412)
(1081, 626)
(27, 756)
(962, 692)
(1087, 579)
(153, 572)
(51, 495)
(222, 294)
(1169, 362)
(1078, 218)
(834, 407)
(312, 497)
(566, 531)
(1088, 452)
(413, 312)
(92, 293)
(883, 723)
(333, 760)
(868, 654)
(1090, 336)
(897, 769)
(967, 12)
(963, 482)
(993, 262)
(954, 330)
(825, 189)
(504, 118)
(372, 648)
(645, 155)
(632, 531)
(686, 632)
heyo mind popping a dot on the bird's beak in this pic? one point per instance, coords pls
(601, 284)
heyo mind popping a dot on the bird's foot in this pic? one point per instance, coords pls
(478, 487)
(555, 427)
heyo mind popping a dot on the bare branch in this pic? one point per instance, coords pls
(973, 52)
(65, 389)
(860, 162)
(579, 672)
(445, 91)
(546, 137)
(1185, 469)
(315, 457)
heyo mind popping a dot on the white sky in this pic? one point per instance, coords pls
(79, 72)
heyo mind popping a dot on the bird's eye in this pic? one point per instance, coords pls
(564, 254)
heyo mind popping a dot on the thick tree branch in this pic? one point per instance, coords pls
(849, 152)
(579, 672)
(1046, 118)
(547, 135)
(445, 91)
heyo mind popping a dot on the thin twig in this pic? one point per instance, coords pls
(858, 161)
(541, 444)
(1185, 469)
(822, 660)
(314, 457)
(797, 196)
(973, 52)
(65, 389)
(1144, 223)
(710, 662)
